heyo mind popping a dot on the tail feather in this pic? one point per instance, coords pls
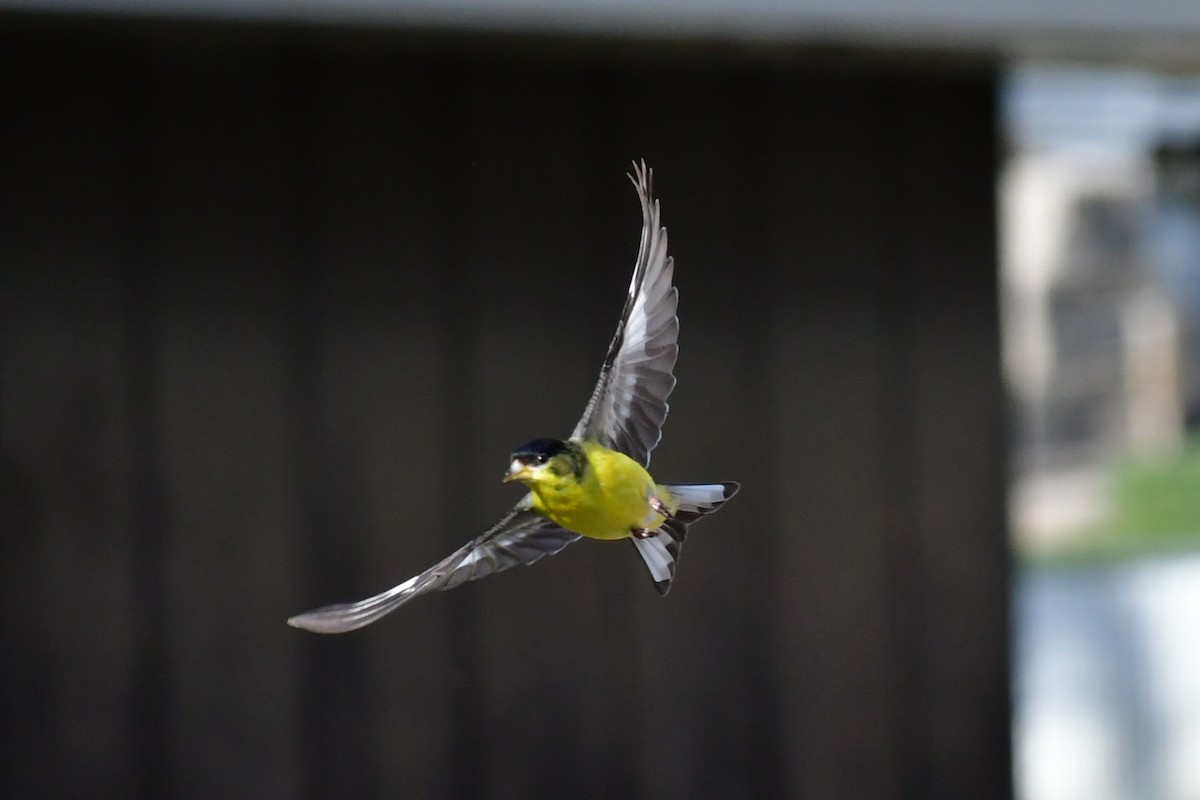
(691, 501)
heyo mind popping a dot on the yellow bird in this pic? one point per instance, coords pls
(595, 483)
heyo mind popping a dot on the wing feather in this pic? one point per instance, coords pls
(629, 404)
(520, 537)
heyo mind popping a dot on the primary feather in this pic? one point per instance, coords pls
(629, 403)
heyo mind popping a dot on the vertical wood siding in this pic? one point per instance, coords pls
(275, 306)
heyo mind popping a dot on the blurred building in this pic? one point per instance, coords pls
(1100, 283)
(1100, 276)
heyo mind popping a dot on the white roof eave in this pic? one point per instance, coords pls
(1149, 31)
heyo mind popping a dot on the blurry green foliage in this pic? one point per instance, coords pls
(1157, 500)
(1155, 508)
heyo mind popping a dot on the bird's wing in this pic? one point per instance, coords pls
(629, 403)
(520, 537)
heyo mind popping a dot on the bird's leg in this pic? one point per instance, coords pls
(660, 507)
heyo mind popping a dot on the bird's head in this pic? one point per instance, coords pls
(542, 459)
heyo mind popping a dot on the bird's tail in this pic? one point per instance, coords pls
(691, 502)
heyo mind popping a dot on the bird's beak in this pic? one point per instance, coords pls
(516, 471)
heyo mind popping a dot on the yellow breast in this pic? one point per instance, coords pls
(608, 500)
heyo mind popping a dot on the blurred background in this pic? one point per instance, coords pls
(1100, 218)
(284, 283)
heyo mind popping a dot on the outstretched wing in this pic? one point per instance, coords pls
(520, 537)
(629, 403)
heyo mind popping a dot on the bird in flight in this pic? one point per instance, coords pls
(595, 483)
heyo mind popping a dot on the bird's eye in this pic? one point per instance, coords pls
(539, 459)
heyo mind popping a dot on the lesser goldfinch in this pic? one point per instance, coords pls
(595, 483)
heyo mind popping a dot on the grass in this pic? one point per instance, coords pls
(1156, 508)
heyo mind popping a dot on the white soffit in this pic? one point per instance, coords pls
(1147, 30)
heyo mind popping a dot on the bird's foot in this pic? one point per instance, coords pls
(660, 507)
(643, 533)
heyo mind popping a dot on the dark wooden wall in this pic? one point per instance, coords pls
(274, 308)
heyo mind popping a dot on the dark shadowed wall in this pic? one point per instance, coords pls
(276, 305)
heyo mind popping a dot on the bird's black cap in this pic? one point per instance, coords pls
(539, 450)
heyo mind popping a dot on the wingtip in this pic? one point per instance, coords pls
(325, 621)
(305, 622)
(642, 177)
